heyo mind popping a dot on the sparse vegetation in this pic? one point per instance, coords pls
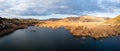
(93, 29)
(115, 20)
(79, 26)
(9, 25)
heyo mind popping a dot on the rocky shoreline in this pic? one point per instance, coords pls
(8, 26)
(10, 30)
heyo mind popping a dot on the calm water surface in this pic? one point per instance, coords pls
(46, 39)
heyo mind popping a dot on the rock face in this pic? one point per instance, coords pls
(4, 24)
(10, 25)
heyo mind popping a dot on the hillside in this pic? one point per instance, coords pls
(10, 25)
(84, 19)
(68, 19)
(115, 20)
(92, 19)
(86, 26)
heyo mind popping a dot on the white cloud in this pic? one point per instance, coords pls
(112, 1)
(104, 14)
(63, 7)
(18, 7)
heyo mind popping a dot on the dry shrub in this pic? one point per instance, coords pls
(86, 29)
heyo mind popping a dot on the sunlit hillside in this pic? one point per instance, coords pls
(115, 20)
(86, 26)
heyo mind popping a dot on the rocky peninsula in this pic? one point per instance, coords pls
(8, 26)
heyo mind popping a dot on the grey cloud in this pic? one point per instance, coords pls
(47, 7)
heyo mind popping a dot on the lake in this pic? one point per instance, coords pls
(47, 39)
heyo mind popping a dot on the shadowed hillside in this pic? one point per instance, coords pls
(9, 25)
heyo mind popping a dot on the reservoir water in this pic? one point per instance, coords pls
(47, 39)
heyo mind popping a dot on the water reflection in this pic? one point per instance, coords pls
(60, 39)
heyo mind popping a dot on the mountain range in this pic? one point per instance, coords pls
(81, 19)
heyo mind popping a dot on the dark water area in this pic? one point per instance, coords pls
(47, 39)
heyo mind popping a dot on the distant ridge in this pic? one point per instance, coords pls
(85, 19)
(115, 20)
(91, 19)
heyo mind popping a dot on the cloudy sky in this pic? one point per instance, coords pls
(42, 9)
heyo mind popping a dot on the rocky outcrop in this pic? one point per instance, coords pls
(10, 25)
(4, 24)
(10, 30)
